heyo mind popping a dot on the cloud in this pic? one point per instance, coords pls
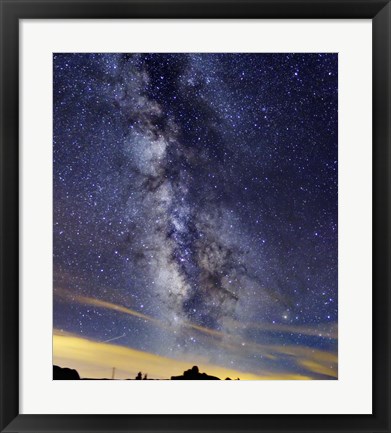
(96, 360)
(327, 330)
(306, 360)
(85, 300)
(311, 362)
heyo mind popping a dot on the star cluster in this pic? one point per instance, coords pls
(195, 206)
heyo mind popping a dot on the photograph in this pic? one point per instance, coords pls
(195, 216)
(195, 191)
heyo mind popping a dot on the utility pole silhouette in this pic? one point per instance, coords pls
(113, 373)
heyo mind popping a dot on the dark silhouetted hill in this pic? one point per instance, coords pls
(64, 373)
(194, 374)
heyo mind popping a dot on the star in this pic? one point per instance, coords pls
(195, 206)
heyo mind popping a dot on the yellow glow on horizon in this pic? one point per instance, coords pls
(315, 361)
(96, 360)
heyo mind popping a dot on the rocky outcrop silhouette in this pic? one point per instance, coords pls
(60, 373)
(194, 374)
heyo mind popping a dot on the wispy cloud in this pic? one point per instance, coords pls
(84, 300)
(96, 360)
(312, 362)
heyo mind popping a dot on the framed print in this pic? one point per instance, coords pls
(195, 216)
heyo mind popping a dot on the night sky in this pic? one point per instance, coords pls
(195, 214)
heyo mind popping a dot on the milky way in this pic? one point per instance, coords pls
(198, 193)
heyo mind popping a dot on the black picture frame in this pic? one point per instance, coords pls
(379, 11)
